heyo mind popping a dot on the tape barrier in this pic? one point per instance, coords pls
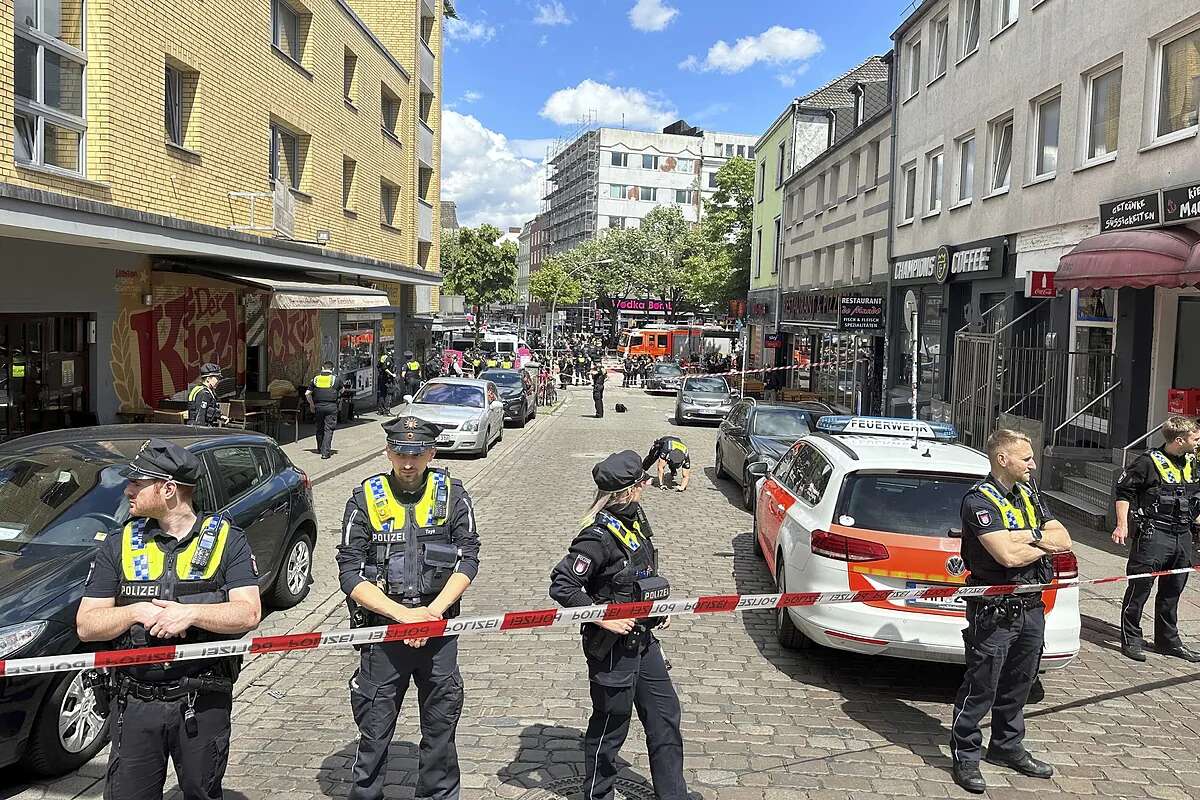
(524, 620)
(809, 366)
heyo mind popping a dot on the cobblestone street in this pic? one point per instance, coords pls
(759, 722)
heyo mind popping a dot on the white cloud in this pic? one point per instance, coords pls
(788, 79)
(552, 13)
(534, 149)
(610, 104)
(651, 15)
(483, 172)
(777, 46)
(471, 96)
(461, 30)
(542, 42)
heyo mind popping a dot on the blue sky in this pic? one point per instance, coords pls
(519, 73)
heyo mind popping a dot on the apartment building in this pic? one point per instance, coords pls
(184, 184)
(532, 252)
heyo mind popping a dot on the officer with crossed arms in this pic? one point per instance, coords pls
(409, 551)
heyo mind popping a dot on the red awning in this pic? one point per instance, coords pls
(1136, 259)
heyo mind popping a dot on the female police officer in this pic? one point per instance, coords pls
(612, 560)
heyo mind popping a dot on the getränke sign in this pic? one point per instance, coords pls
(1142, 211)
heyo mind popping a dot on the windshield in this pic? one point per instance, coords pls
(919, 505)
(462, 345)
(504, 347)
(450, 394)
(63, 495)
(784, 422)
(506, 380)
(668, 370)
(717, 385)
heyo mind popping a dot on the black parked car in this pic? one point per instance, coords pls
(516, 391)
(60, 493)
(756, 431)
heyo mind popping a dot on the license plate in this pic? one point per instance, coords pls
(939, 603)
(444, 440)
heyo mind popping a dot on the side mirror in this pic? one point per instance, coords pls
(758, 469)
(408, 398)
(735, 392)
(497, 404)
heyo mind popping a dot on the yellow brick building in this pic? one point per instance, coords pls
(183, 181)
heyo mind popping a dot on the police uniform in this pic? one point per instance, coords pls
(410, 373)
(409, 544)
(1164, 495)
(203, 408)
(383, 388)
(178, 710)
(613, 560)
(599, 376)
(1004, 635)
(670, 449)
(326, 389)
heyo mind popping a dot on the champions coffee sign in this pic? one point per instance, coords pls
(860, 313)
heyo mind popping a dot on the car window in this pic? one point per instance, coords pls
(706, 384)
(782, 422)
(662, 340)
(237, 470)
(783, 469)
(919, 505)
(510, 379)
(809, 474)
(635, 341)
(450, 394)
(265, 462)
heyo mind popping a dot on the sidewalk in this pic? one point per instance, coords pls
(354, 443)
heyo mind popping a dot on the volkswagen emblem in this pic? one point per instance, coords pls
(955, 566)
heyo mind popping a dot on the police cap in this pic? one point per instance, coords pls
(210, 371)
(408, 353)
(159, 460)
(619, 471)
(411, 435)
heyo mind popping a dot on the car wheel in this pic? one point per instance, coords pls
(68, 732)
(295, 574)
(786, 632)
(522, 419)
(721, 473)
(748, 484)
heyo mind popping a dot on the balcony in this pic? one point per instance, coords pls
(424, 221)
(428, 67)
(425, 144)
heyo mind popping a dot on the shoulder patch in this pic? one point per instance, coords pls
(983, 517)
(582, 565)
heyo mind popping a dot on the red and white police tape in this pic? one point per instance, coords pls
(699, 371)
(520, 620)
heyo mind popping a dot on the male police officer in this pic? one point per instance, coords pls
(409, 550)
(410, 373)
(671, 453)
(169, 577)
(203, 408)
(1007, 538)
(1164, 487)
(384, 380)
(598, 376)
(323, 395)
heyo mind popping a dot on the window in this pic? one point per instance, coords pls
(1046, 147)
(941, 44)
(835, 184)
(285, 157)
(389, 112)
(49, 67)
(914, 67)
(647, 193)
(910, 193)
(966, 170)
(729, 151)
(1104, 113)
(616, 191)
(620, 159)
(758, 253)
(741, 151)
(349, 76)
(1092, 344)
(649, 162)
(780, 168)
(873, 159)
(933, 166)
(809, 475)
(820, 204)
(968, 26)
(762, 181)
(852, 174)
(685, 165)
(1179, 84)
(712, 180)
(238, 471)
(685, 196)
(349, 167)
(616, 222)
(1000, 163)
(860, 105)
(173, 106)
(1006, 13)
(750, 152)
(285, 29)
(778, 246)
(389, 200)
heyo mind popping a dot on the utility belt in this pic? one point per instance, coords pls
(1007, 609)
(598, 642)
(1147, 527)
(108, 686)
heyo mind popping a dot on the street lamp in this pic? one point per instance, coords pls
(554, 300)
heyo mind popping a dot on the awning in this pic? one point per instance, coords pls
(295, 295)
(1168, 257)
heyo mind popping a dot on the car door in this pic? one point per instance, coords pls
(730, 433)
(809, 478)
(740, 452)
(242, 481)
(773, 501)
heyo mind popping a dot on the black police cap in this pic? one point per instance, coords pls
(210, 371)
(411, 435)
(619, 471)
(160, 460)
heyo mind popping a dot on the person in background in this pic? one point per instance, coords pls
(599, 376)
(323, 394)
(384, 379)
(203, 408)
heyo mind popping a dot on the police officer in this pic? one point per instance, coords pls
(385, 379)
(323, 395)
(1163, 487)
(671, 454)
(203, 408)
(613, 560)
(409, 551)
(410, 373)
(598, 376)
(169, 577)
(1007, 538)
(582, 367)
(477, 364)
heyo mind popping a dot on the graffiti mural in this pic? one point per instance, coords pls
(293, 345)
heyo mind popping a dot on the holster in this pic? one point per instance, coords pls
(101, 684)
(597, 642)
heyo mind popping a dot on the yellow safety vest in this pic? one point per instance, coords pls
(196, 390)
(1015, 519)
(142, 560)
(677, 445)
(413, 366)
(324, 380)
(1168, 472)
(493, 362)
(386, 513)
(630, 539)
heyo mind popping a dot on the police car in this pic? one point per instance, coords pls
(870, 503)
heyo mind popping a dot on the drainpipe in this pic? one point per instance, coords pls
(889, 315)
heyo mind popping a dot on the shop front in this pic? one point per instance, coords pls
(835, 339)
(760, 316)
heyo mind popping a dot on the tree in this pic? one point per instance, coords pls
(553, 283)
(668, 240)
(727, 227)
(480, 268)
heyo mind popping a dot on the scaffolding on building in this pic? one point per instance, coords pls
(571, 186)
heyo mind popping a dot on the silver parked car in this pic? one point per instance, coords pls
(469, 412)
(664, 377)
(704, 397)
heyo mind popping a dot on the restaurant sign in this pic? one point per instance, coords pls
(1181, 204)
(860, 313)
(810, 308)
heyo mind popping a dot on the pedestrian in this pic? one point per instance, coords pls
(1162, 487)
(670, 453)
(613, 560)
(627, 372)
(409, 551)
(323, 394)
(582, 367)
(647, 368)
(568, 371)
(598, 376)
(203, 407)
(1007, 538)
(169, 577)
(410, 374)
(383, 387)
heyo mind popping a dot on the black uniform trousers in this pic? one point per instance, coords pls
(1152, 551)
(1003, 657)
(598, 399)
(146, 733)
(623, 680)
(376, 694)
(326, 418)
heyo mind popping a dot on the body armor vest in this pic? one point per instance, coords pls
(641, 561)
(1176, 500)
(324, 393)
(984, 569)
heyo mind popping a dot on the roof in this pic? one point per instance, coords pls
(897, 453)
(180, 434)
(479, 384)
(836, 93)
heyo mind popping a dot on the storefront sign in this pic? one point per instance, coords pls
(860, 313)
(1040, 283)
(1181, 204)
(661, 306)
(1142, 211)
(947, 264)
(773, 341)
(388, 329)
(813, 308)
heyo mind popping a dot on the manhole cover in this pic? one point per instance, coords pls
(571, 788)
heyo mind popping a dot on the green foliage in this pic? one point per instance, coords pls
(475, 266)
(555, 283)
(727, 227)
